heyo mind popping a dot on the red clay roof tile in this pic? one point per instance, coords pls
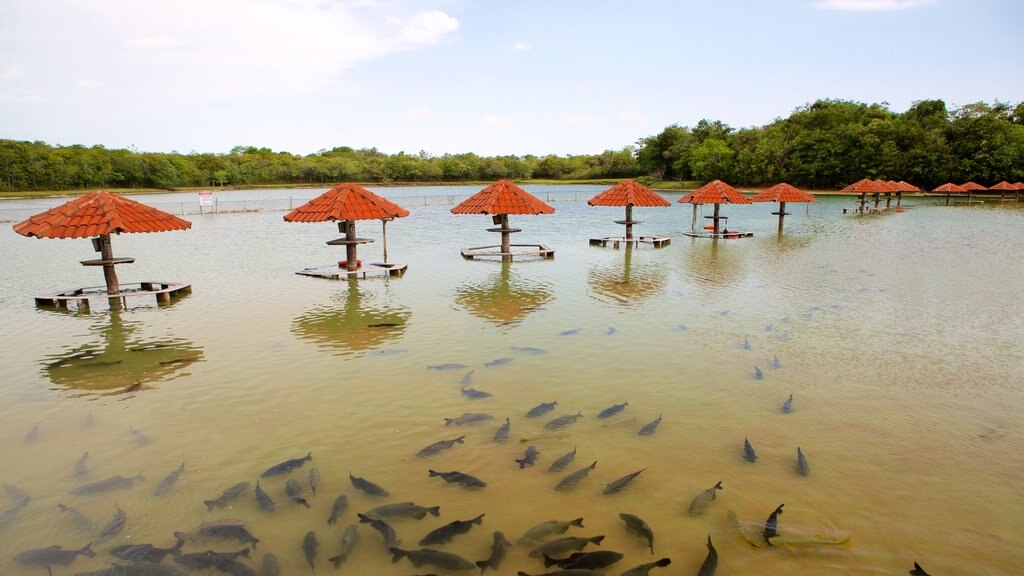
(346, 201)
(502, 197)
(972, 187)
(99, 213)
(783, 193)
(628, 192)
(949, 187)
(715, 192)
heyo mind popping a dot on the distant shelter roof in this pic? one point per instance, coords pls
(783, 192)
(99, 213)
(950, 187)
(502, 197)
(628, 193)
(972, 187)
(346, 201)
(715, 192)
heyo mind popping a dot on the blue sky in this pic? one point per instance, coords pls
(451, 76)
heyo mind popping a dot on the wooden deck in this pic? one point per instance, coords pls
(162, 291)
(540, 250)
(721, 235)
(335, 272)
(656, 241)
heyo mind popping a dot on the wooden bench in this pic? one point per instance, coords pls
(162, 291)
(541, 250)
(656, 241)
(335, 272)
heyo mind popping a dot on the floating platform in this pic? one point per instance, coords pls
(656, 241)
(539, 250)
(333, 271)
(722, 235)
(162, 291)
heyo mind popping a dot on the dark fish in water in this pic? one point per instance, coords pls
(681, 327)
(17, 495)
(776, 363)
(219, 530)
(563, 461)
(113, 528)
(438, 558)
(82, 522)
(584, 560)
(52, 556)
(439, 446)
(348, 542)
(367, 486)
(234, 568)
(545, 529)
(314, 479)
(771, 527)
(564, 545)
(386, 531)
(468, 418)
(617, 485)
(448, 367)
(340, 504)
(474, 394)
(446, 533)
(746, 344)
(541, 409)
(502, 434)
(710, 562)
(573, 572)
(497, 362)
(8, 516)
(455, 477)
(106, 485)
(499, 548)
(573, 479)
(32, 435)
(613, 410)
(611, 330)
(383, 325)
(467, 378)
(918, 571)
(263, 499)
(144, 552)
(563, 421)
(801, 463)
(295, 492)
(169, 480)
(748, 451)
(139, 569)
(404, 510)
(650, 427)
(287, 466)
(140, 438)
(703, 500)
(787, 406)
(271, 566)
(309, 547)
(637, 525)
(758, 375)
(570, 332)
(529, 350)
(80, 468)
(643, 569)
(530, 458)
(227, 496)
(208, 559)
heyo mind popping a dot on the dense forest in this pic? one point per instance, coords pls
(824, 145)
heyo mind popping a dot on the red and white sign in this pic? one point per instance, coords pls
(206, 198)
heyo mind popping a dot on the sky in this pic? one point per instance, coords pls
(484, 76)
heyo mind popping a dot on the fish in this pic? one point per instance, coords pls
(271, 566)
(165, 485)
(570, 332)
(710, 562)
(135, 569)
(758, 375)
(573, 479)
(219, 530)
(367, 486)
(437, 558)
(746, 344)
(80, 468)
(314, 479)
(340, 504)
(390, 352)
(439, 446)
(32, 435)
(801, 463)
(348, 543)
(637, 525)
(474, 394)
(310, 545)
(776, 363)
(82, 522)
(771, 527)
(502, 433)
(468, 418)
(643, 569)
(563, 421)
(918, 571)
(113, 528)
(545, 529)
(787, 406)
(446, 533)
(144, 552)
(754, 535)
(8, 516)
(650, 427)
(140, 438)
(584, 560)
(448, 367)
(541, 409)
(106, 485)
(208, 559)
(286, 466)
(563, 461)
(703, 500)
(497, 362)
(263, 499)
(17, 495)
(53, 555)
(386, 531)
(573, 572)
(455, 477)
(530, 458)
(467, 378)
(234, 568)
(295, 492)
(529, 350)
(227, 496)
(613, 410)
(748, 451)
(404, 510)
(611, 330)
(499, 548)
(616, 486)
(563, 545)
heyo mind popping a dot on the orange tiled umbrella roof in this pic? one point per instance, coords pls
(502, 197)
(715, 192)
(865, 186)
(626, 193)
(903, 186)
(949, 187)
(1004, 186)
(1019, 185)
(885, 186)
(99, 213)
(973, 187)
(346, 201)
(783, 193)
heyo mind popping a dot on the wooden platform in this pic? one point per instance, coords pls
(162, 291)
(540, 250)
(335, 272)
(721, 235)
(657, 241)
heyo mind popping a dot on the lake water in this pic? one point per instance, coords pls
(898, 335)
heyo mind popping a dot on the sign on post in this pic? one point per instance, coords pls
(205, 199)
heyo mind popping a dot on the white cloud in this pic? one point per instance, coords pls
(419, 115)
(11, 71)
(90, 84)
(495, 121)
(151, 42)
(870, 5)
(521, 46)
(427, 27)
(633, 117)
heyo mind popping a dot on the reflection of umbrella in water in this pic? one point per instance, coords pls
(628, 282)
(714, 268)
(503, 298)
(121, 363)
(354, 326)
(783, 193)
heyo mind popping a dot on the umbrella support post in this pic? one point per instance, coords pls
(715, 217)
(888, 199)
(947, 198)
(506, 240)
(899, 197)
(384, 238)
(109, 273)
(693, 224)
(629, 222)
(351, 258)
(863, 200)
(877, 199)
(782, 215)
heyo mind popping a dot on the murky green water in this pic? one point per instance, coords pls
(898, 337)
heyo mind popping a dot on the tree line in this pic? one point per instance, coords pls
(824, 145)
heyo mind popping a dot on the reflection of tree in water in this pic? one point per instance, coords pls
(353, 326)
(503, 298)
(121, 362)
(624, 284)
